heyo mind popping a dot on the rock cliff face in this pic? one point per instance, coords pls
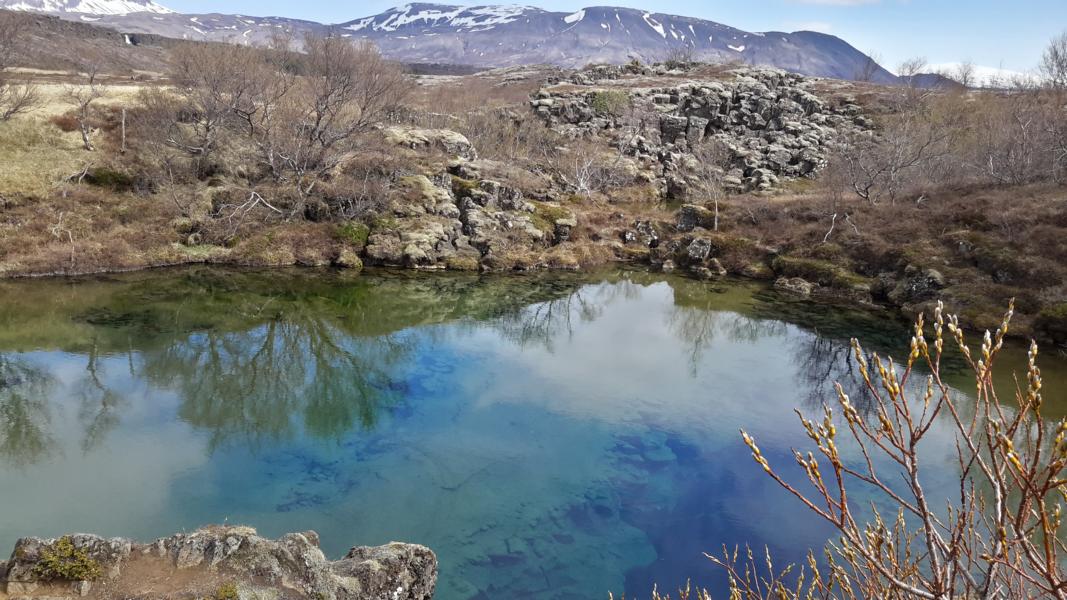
(228, 563)
(770, 122)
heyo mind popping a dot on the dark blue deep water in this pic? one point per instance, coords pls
(549, 436)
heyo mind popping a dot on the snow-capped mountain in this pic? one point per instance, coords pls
(512, 34)
(498, 35)
(86, 7)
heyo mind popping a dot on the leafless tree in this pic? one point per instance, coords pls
(909, 72)
(223, 88)
(713, 160)
(83, 96)
(964, 74)
(346, 90)
(870, 68)
(14, 99)
(1054, 63)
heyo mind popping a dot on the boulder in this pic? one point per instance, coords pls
(795, 285)
(393, 572)
(917, 285)
(444, 140)
(197, 564)
(691, 216)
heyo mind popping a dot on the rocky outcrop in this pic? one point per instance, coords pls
(771, 123)
(459, 218)
(221, 562)
(444, 140)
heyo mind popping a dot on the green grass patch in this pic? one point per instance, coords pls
(353, 233)
(817, 271)
(545, 216)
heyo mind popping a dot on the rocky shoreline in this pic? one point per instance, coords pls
(224, 563)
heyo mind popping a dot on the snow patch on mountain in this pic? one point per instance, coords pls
(574, 17)
(433, 16)
(88, 7)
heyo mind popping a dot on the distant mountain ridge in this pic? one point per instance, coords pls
(501, 35)
(87, 7)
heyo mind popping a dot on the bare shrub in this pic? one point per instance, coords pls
(14, 99)
(680, 56)
(585, 168)
(999, 538)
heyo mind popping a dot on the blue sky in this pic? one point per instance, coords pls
(994, 33)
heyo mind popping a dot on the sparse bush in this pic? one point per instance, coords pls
(610, 103)
(227, 591)
(66, 123)
(62, 561)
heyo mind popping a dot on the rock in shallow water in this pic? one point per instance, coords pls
(201, 563)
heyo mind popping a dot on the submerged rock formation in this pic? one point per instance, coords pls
(226, 563)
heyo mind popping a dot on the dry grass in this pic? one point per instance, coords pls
(36, 156)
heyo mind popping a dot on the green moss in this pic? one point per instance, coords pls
(1051, 323)
(227, 591)
(545, 216)
(384, 223)
(353, 233)
(462, 263)
(610, 102)
(827, 251)
(110, 179)
(816, 271)
(64, 562)
(463, 188)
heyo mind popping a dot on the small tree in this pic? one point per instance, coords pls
(869, 68)
(712, 161)
(83, 96)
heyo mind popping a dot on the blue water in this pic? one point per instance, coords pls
(547, 436)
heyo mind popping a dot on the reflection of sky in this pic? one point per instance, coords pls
(579, 446)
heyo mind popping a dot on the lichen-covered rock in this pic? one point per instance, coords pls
(393, 572)
(691, 216)
(198, 563)
(795, 285)
(445, 140)
(917, 285)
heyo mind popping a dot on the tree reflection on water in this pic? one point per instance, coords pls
(253, 357)
(25, 413)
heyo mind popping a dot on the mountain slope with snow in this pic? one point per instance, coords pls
(86, 7)
(494, 36)
(499, 35)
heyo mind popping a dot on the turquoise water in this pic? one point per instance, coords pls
(553, 436)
